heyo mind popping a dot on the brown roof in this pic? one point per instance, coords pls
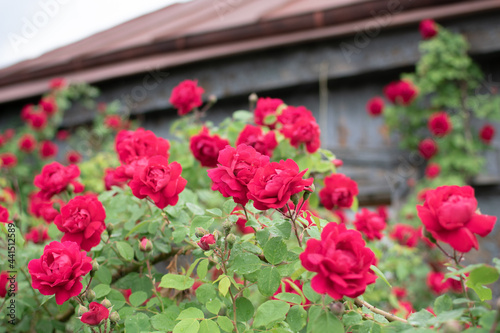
(204, 29)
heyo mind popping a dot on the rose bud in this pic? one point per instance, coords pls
(227, 225)
(230, 239)
(212, 99)
(253, 98)
(206, 241)
(337, 308)
(109, 228)
(146, 245)
(338, 163)
(114, 317)
(200, 232)
(82, 310)
(95, 267)
(105, 302)
(96, 315)
(90, 295)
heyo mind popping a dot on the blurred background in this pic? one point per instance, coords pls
(331, 56)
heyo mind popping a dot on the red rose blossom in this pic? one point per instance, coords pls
(299, 125)
(110, 179)
(42, 208)
(113, 121)
(60, 270)
(436, 283)
(55, 178)
(486, 133)
(62, 135)
(265, 111)
(57, 83)
(48, 149)
(399, 292)
(82, 221)
(4, 215)
(432, 170)
(375, 106)
(428, 28)
(427, 148)
(289, 286)
(449, 214)
(253, 136)
(242, 221)
(8, 160)
(186, 96)
(206, 241)
(4, 280)
(158, 180)
(206, 148)
(27, 143)
(405, 234)
(401, 92)
(275, 183)
(341, 260)
(96, 314)
(439, 124)
(48, 105)
(237, 166)
(369, 224)
(37, 120)
(37, 234)
(134, 145)
(73, 157)
(339, 191)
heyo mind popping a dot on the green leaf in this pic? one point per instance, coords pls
(214, 306)
(195, 209)
(191, 313)
(480, 276)
(202, 268)
(104, 275)
(380, 274)
(205, 293)
(325, 322)
(187, 326)
(244, 309)
(443, 303)
(137, 323)
(225, 323)
(137, 298)
(351, 318)
(355, 204)
(208, 326)
(289, 297)
(175, 281)
(125, 250)
(420, 318)
(296, 318)
(270, 312)
(245, 263)
(228, 206)
(215, 212)
(268, 281)
(163, 321)
(309, 293)
(101, 290)
(275, 250)
(224, 285)
(202, 222)
(297, 273)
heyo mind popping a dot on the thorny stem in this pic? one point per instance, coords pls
(154, 287)
(387, 315)
(88, 285)
(444, 251)
(294, 225)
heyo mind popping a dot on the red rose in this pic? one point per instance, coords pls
(205, 148)
(370, 224)
(428, 29)
(186, 96)
(4, 215)
(341, 216)
(73, 157)
(265, 111)
(253, 136)
(37, 234)
(206, 241)
(449, 214)
(405, 234)
(274, 184)
(27, 143)
(436, 283)
(338, 163)
(42, 208)
(82, 221)
(299, 125)
(339, 191)
(242, 221)
(8, 160)
(8, 195)
(48, 105)
(57, 83)
(158, 180)
(486, 133)
(134, 145)
(401, 92)
(54, 179)
(48, 149)
(427, 148)
(289, 286)
(341, 260)
(113, 121)
(237, 166)
(96, 314)
(4, 280)
(37, 120)
(375, 106)
(60, 270)
(110, 179)
(62, 135)
(399, 292)
(383, 213)
(432, 170)
(439, 124)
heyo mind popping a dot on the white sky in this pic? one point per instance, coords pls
(30, 28)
